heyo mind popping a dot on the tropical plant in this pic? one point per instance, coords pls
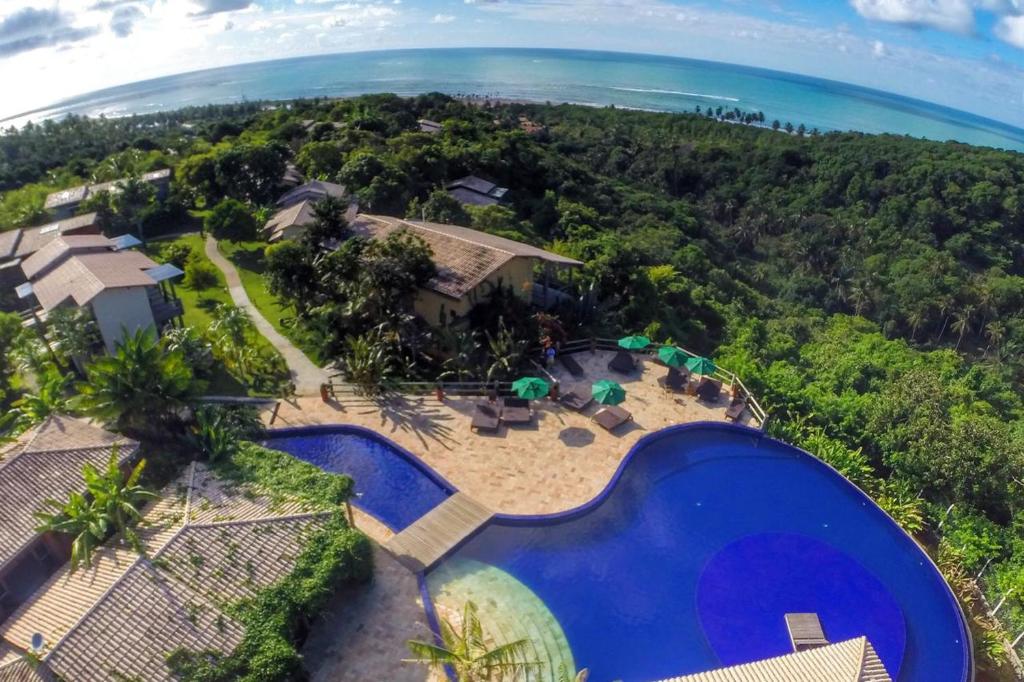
(564, 674)
(196, 349)
(468, 651)
(118, 496)
(79, 518)
(506, 353)
(74, 332)
(142, 388)
(33, 408)
(367, 363)
(213, 435)
(111, 505)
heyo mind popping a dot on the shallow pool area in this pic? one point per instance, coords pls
(708, 537)
(390, 483)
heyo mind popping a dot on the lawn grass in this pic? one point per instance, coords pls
(199, 309)
(247, 257)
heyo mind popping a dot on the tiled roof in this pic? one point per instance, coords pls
(9, 243)
(314, 190)
(83, 276)
(464, 257)
(468, 196)
(300, 214)
(209, 543)
(77, 194)
(60, 249)
(854, 660)
(35, 238)
(475, 184)
(49, 466)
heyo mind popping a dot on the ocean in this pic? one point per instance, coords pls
(582, 77)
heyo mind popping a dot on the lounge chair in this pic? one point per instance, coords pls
(675, 380)
(709, 390)
(735, 409)
(575, 401)
(611, 417)
(486, 417)
(515, 411)
(571, 365)
(623, 362)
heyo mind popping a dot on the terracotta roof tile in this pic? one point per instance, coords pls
(854, 660)
(464, 257)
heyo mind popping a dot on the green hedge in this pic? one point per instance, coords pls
(277, 615)
(281, 475)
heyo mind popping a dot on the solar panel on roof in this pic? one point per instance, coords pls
(164, 272)
(23, 290)
(125, 241)
(50, 228)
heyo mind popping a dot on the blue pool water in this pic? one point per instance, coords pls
(390, 483)
(711, 534)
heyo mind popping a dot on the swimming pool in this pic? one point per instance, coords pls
(390, 483)
(689, 560)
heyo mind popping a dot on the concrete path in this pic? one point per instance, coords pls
(306, 376)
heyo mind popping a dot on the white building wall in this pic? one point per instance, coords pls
(117, 310)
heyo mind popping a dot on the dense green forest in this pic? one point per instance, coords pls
(868, 288)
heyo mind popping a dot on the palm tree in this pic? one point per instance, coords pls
(79, 518)
(506, 353)
(142, 388)
(565, 676)
(213, 435)
(995, 331)
(466, 651)
(962, 324)
(117, 497)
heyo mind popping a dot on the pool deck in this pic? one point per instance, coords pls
(558, 462)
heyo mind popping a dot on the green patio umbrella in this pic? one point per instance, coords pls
(702, 366)
(672, 356)
(634, 342)
(608, 392)
(530, 388)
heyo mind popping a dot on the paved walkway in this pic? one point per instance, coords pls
(306, 376)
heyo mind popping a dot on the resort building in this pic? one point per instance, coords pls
(123, 289)
(65, 203)
(428, 126)
(206, 544)
(476, 191)
(470, 265)
(22, 242)
(44, 464)
(296, 209)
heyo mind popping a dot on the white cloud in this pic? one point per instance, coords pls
(945, 15)
(878, 49)
(442, 19)
(1011, 30)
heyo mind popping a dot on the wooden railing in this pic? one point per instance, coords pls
(337, 387)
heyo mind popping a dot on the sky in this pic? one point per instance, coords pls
(967, 54)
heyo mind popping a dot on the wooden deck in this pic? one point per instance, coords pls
(437, 532)
(805, 631)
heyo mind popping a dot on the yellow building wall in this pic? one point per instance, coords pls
(516, 274)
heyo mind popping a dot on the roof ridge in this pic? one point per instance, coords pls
(262, 519)
(426, 226)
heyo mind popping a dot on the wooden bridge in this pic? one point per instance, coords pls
(437, 532)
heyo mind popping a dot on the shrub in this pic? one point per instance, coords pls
(230, 219)
(176, 253)
(200, 274)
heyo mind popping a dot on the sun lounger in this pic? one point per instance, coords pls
(675, 380)
(735, 409)
(486, 417)
(575, 401)
(805, 631)
(709, 389)
(611, 417)
(515, 411)
(571, 365)
(623, 362)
